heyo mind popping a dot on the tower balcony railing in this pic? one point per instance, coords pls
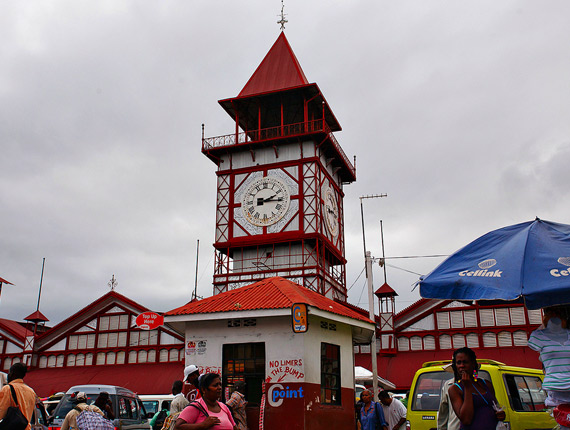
(271, 133)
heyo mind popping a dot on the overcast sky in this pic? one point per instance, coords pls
(459, 111)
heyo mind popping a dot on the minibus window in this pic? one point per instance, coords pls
(525, 393)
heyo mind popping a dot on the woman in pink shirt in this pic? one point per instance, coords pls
(207, 412)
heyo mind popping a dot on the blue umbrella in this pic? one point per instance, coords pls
(530, 260)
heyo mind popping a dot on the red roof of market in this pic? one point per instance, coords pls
(270, 293)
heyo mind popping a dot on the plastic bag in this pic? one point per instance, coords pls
(501, 426)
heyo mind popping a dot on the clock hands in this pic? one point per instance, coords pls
(272, 199)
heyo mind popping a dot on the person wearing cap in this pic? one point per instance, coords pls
(80, 400)
(25, 395)
(192, 377)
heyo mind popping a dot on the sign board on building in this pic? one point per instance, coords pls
(149, 320)
(299, 319)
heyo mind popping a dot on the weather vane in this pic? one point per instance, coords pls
(282, 21)
(112, 284)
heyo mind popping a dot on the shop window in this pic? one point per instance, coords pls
(72, 344)
(443, 320)
(120, 357)
(173, 355)
(470, 318)
(416, 343)
(244, 362)
(472, 340)
(71, 360)
(445, 342)
(429, 342)
(89, 359)
(520, 338)
(80, 360)
(456, 319)
(489, 340)
(505, 339)
(124, 322)
(51, 361)
(487, 317)
(534, 316)
(502, 316)
(151, 356)
(330, 374)
(517, 316)
(403, 344)
(104, 323)
(142, 356)
(132, 357)
(458, 341)
(101, 358)
(525, 393)
(163, 357)
(43, 362)
(110, 358)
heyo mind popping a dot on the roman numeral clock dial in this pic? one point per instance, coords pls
(331, 213)
(265, 201)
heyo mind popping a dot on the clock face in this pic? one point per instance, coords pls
(265, 201)
(331, 212)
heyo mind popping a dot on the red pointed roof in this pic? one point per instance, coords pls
(279, 70)
(270, 293)
(4, 281)
(14, 328)
(36, 316)
(385, 291)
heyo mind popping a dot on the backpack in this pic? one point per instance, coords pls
(90, 420)
(160, 419)
(170, 421)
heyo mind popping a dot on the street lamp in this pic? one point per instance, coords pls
(368, 267)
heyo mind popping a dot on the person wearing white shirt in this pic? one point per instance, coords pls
(394, 411)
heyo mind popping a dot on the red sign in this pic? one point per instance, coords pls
(149, 320)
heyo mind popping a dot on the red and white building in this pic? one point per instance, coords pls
(431, 330)
(100, 344)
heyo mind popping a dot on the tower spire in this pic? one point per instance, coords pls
(282, 21)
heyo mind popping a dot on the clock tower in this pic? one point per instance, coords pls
(279, 209)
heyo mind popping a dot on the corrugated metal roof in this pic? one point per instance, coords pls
(15, 328)
(270, 293)
(279, 69)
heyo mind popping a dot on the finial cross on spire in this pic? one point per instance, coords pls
(112, 284)
(282, 21)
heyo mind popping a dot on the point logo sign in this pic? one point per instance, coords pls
(483, 272)
(277, 393)
(557, 273)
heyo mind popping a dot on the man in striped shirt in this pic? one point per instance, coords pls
(553, 344)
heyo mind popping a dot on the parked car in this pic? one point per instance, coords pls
(127, 406)
(518, 389)
(152, 402)
(52, 401)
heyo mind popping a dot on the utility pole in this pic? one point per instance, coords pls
(368, 267)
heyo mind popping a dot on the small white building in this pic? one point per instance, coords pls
(303, 379)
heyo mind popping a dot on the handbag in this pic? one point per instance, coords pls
(14, 418)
